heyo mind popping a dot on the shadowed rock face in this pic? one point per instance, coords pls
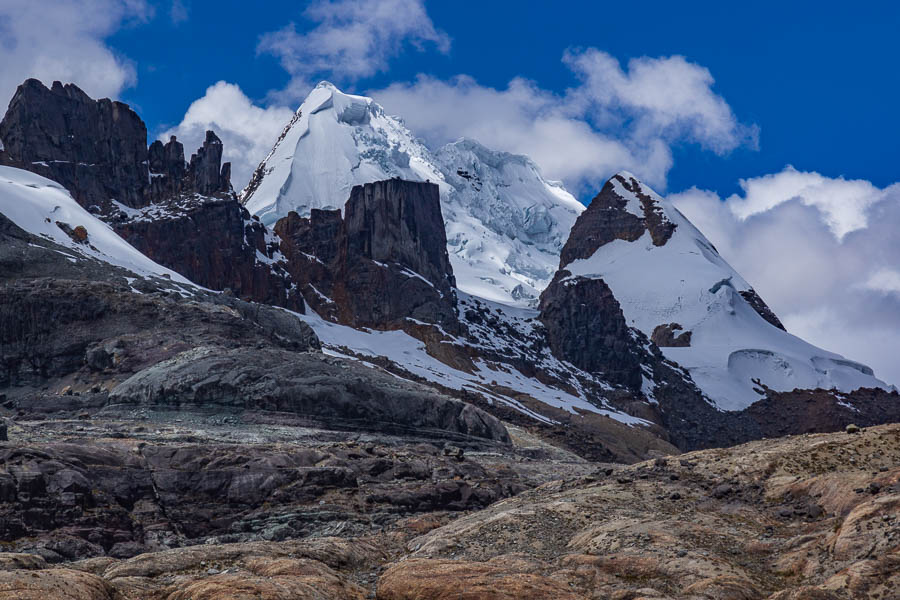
(204, 175)
(761, 308)
(384, 263)
(214, 242)
(96, 149)
(53, 328)
(606, 219)
(187, 217)
(671, 335)
(584, 321)
(586, 327)
(400, 221)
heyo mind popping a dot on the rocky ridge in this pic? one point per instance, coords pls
(161, 440)
(383, 265)
(182, 214)
(665, 277)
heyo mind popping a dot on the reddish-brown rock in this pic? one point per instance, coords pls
(383, 265)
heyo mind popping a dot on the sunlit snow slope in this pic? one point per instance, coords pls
(39, 206)
(505, 223)
(685, 281)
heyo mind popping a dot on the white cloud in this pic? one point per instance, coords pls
(667, 97)
(614, 119)
(64, 40)
(823, 252)
(523, 119)
(247, 131)
(885, 280)
(178, 12)
(843, 203)
(353, 39)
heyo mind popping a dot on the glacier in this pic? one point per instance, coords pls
(506, 223)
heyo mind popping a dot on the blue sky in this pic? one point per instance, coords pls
(772, 125)
(820, 83)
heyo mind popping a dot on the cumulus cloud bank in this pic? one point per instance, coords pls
(353, 39)
(614, 119)
(823, 252)
(247, 131)
(64, 40)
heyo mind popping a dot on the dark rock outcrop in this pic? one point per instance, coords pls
(315, 388)
(188, 217)
(206, 172)
(820, 411)
(97, 149)
(383, 264)
(61, 318)
(67, 501)
(586, 327)
(671, 335)
(52, 328)
(167, 167)
(757, 303)
(214, 242)
(606, 219)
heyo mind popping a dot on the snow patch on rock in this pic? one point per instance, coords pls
(44, 208)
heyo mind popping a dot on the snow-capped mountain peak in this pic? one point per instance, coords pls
(674, 286)
(333, 142)
(506, 223)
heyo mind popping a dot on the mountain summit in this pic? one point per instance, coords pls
(673, 286)
(506, 223)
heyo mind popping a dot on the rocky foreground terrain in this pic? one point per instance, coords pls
(294, 513)
(194, 406)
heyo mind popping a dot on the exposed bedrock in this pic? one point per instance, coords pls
(586, 327)
(97, 149)
(323, 390)
(188, 218)
(383, 265)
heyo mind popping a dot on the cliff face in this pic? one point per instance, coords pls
(182, 214)
(97, 149)
(609, 217)
(214, 242)
(383, 265)
(586, 327)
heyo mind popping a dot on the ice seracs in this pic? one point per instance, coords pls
(505, 223)
(672, 285)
